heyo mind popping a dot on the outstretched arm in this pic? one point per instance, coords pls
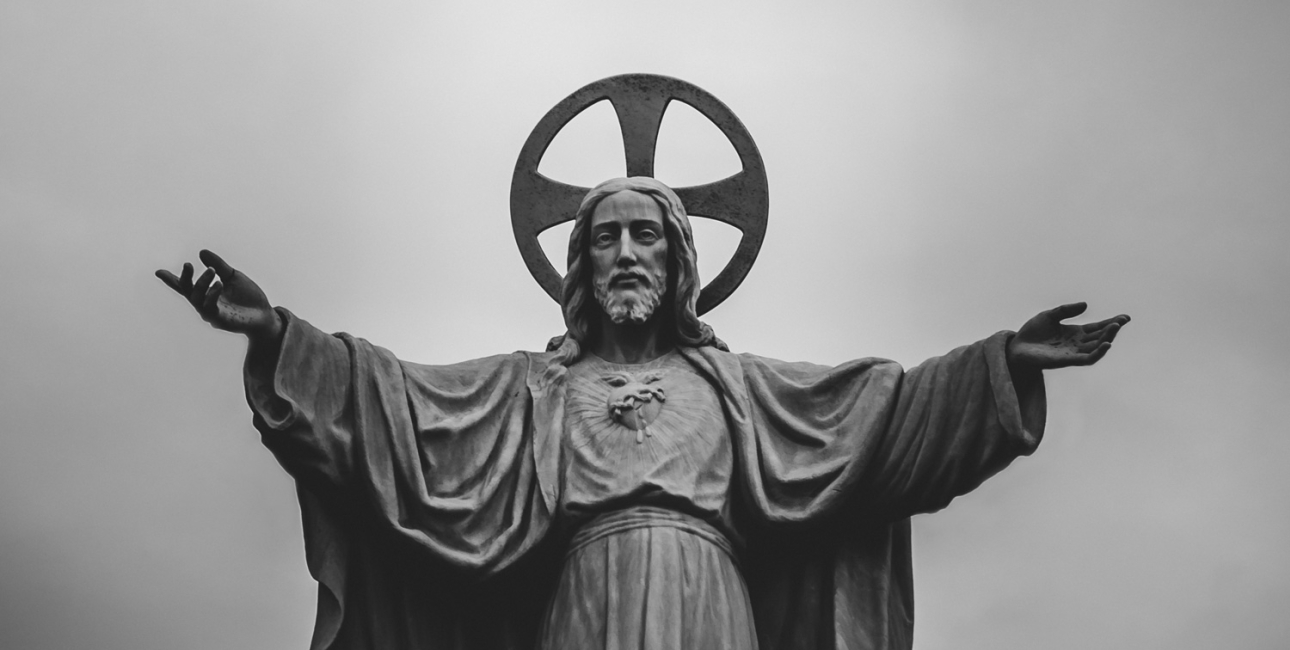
(232, 303)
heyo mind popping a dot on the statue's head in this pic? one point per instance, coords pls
(650, 273)
(628, 253)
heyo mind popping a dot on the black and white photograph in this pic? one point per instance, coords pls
(644, 326)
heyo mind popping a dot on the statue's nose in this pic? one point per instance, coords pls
(627, 253)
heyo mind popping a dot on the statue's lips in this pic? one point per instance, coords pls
(629, 279)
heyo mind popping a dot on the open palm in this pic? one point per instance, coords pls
(1044, 342)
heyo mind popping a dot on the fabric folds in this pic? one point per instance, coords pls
(429, 493)
(649, 579)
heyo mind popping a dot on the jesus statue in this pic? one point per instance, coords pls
(637, 486)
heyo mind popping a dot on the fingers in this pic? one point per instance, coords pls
(170, 280)
(1088, 346)
(1109, 333)
(204, 294)
(182, 284)
(216, 262)
(1068, 311)
(212, 297)
(1096, 356)
(1119, 321)
(1089, 341)
(1093, 328)
(197, 294)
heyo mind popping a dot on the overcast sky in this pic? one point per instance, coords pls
(938, 171)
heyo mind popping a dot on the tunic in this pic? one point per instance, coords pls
(435, 499)
(683, 458)
(651, 567)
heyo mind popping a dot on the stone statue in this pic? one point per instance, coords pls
(637, 486)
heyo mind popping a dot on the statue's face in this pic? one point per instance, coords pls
(628, 256)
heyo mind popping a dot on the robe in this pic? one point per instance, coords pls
(429, 494)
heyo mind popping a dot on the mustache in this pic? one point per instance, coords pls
(639, 276)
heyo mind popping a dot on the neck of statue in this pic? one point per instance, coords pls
(630, 342)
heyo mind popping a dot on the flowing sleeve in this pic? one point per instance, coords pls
(417, 484)
(834, 460)
(891, 442)
(953, 422)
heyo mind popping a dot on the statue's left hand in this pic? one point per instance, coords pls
(1044, 342)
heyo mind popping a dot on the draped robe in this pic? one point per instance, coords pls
(429, 494)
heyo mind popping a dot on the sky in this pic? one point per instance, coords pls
(938, 171)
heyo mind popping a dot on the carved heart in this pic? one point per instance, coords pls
(635, 404)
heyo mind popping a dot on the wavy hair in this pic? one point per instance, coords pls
(581, 311)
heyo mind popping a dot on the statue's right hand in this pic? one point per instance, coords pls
(232, 303)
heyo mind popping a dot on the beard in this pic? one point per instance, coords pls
(635, 306)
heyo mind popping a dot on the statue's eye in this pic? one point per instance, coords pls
(603, 237)
(647, 234)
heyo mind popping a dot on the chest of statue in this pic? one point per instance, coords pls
(651, 433)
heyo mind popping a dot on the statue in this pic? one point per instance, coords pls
(637, 486)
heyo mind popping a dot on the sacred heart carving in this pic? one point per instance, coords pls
(635, 401)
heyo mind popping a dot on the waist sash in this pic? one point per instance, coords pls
(621, 521)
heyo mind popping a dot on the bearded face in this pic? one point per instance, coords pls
(628, 251)
(635, 305)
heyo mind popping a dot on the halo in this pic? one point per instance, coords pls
(741, 200)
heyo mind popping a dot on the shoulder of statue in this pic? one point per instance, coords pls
(709, 352)
(533, 358)
(725, 368)
(757, 363)
(544, 370)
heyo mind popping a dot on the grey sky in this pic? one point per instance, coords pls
(938, 171)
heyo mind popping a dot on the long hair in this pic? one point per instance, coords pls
(581, 311)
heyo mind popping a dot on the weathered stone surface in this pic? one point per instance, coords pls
(637, 486)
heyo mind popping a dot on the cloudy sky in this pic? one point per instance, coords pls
(938, 171)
